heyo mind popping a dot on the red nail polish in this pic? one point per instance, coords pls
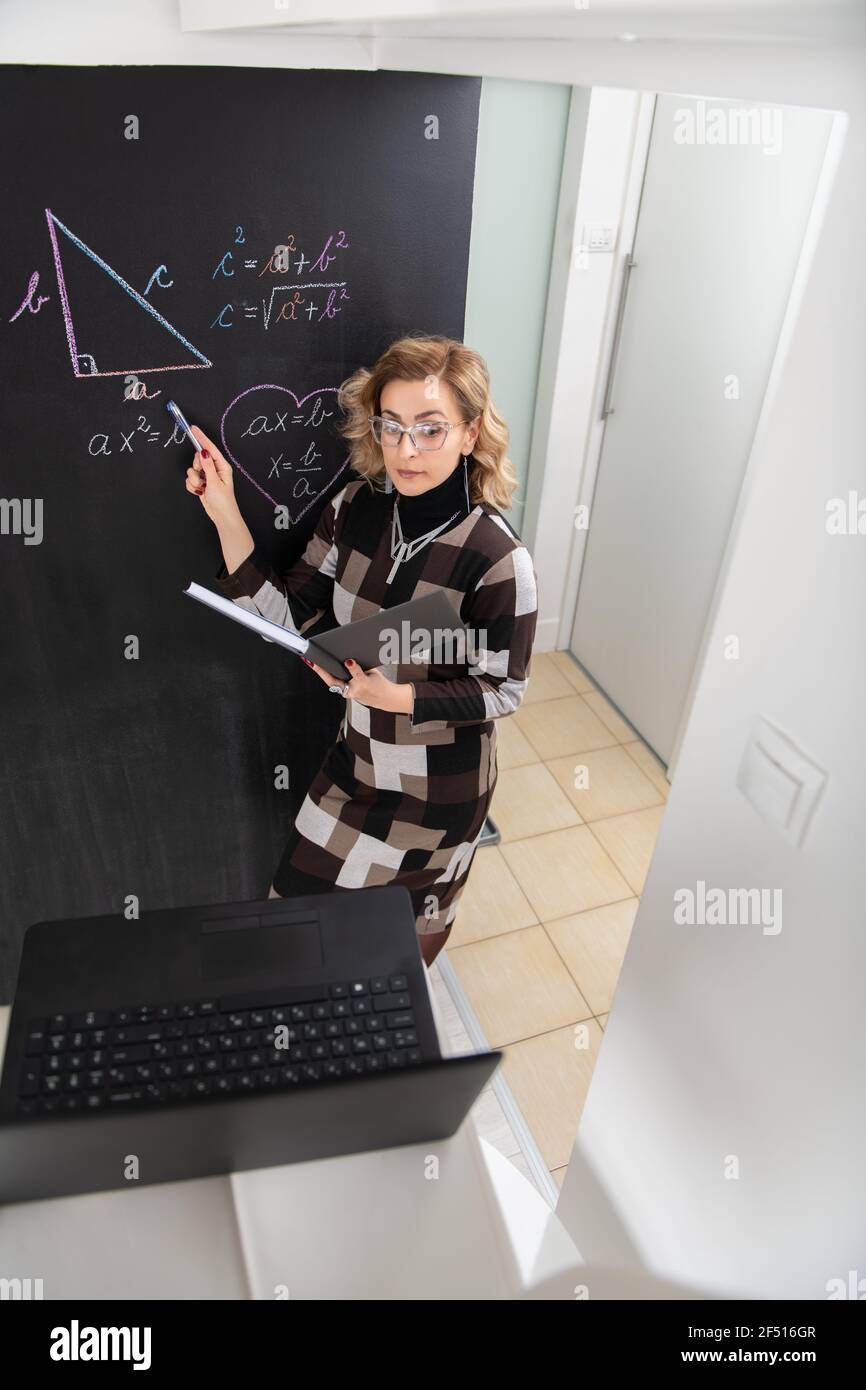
(205, 454)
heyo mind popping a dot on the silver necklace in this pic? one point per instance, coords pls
(404, 550)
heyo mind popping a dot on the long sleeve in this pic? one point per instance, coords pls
(501, 617)
(300, 597)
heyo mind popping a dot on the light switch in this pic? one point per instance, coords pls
(780, 780)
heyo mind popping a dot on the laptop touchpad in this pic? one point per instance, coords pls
(261, 952)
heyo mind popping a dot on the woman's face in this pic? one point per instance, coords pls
(411, 470)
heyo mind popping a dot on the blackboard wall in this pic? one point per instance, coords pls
(155, 776)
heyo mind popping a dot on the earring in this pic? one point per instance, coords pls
(466, 483)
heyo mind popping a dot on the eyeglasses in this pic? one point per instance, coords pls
(425, 437)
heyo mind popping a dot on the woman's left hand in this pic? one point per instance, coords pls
(371, 688)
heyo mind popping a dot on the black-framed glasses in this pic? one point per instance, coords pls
(429, 435)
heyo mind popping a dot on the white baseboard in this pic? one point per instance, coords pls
(546, 632)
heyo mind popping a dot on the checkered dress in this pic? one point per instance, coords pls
(402, 798)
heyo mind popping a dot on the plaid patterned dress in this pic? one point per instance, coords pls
(402, 798)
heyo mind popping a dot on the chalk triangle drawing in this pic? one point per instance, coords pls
(81, 358)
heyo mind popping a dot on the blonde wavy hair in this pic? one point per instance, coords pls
(418, 358)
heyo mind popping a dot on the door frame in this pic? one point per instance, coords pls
(606, 146)
(596, 425)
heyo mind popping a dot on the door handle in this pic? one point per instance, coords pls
(607, 408)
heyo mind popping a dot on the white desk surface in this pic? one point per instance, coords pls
(361, 1226)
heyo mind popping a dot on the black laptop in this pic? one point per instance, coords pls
(206, 1040)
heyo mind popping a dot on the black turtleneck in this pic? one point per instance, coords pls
(418, 515)
(427, 510)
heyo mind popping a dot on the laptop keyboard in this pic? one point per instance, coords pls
(119, 1059)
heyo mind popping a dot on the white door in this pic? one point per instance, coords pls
(718, 235)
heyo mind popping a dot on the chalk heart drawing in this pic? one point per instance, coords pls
(283, 443)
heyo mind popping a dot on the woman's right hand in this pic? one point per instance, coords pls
(211, 479)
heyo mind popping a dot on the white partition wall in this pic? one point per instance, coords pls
(721, 1141)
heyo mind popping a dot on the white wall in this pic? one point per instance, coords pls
(148, 31)
(521, 126)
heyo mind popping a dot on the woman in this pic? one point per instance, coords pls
(403, 792)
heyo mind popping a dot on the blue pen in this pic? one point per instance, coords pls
(176, 414)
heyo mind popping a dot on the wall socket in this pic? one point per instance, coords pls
(598, 237)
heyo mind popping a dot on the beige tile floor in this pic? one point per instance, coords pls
(545, 918)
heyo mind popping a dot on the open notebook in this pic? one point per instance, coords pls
(419, 625)
(272, 632)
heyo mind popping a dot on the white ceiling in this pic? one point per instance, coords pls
(746, 21)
